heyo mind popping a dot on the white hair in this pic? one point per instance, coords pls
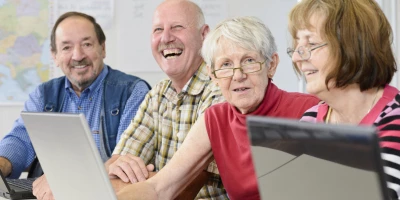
(200, 15)
(246, 32)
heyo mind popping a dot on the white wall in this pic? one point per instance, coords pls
(391, 9)
(8, 114)
(272, 12)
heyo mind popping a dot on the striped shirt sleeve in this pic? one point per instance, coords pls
(388, 124)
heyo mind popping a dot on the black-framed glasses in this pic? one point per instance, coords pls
(245, 69)
(304, 52)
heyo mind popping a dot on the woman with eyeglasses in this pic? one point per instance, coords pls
(242, 58)
(343, 50)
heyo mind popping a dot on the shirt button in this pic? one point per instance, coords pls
(79, 107)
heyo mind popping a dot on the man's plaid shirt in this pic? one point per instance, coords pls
(163, 120)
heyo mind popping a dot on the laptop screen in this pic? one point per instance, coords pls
(68, 154)
(299, 160)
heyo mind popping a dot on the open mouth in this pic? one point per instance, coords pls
(171, 53)
(240, 89)
(79, 66)
(310, 72)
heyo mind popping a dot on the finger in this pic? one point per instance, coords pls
(150, 167)
(112, 176)
(130, 170)
(133, 167)
(37, 182)
(41, 195)
(36, 187)
(44, 197)
(130, 166)
(137, 170)
(117, 171)
(50, 195)
(142, 167)
(41, 192)
(34, 192)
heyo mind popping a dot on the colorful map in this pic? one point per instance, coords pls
(24, 48)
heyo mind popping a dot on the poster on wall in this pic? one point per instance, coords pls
(25, 59)
(24, 48)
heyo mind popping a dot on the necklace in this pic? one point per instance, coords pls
(327, 120)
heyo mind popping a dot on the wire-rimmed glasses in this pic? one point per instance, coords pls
(304, 52)
(245, 69)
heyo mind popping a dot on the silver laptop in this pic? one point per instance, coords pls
(68, 155)
(305, 161)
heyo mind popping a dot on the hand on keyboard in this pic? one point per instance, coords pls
(41, 189)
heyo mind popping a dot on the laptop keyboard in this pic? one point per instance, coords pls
(25, 184)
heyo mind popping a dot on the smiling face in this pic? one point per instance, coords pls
(78, 52)
(317, 67)
(244, 91)
(176, 39)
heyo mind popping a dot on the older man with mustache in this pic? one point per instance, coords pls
(173, 105)
(108, 98)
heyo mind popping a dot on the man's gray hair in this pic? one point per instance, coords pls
(199, 14)
(246, 32)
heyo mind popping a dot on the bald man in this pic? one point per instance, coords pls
(173, 105)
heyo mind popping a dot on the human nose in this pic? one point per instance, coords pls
(78, 53)
(238, 74)
(167, 36)
(296, 56)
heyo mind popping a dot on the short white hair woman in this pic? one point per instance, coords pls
(242, 59)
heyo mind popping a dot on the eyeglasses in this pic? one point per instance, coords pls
(245, 69)
(304, 52)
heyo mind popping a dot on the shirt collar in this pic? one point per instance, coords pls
(267, 106)
(198, 81)
(96, 85)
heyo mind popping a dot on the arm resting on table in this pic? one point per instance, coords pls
(186, 164)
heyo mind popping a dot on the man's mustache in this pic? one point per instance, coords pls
(161, 47)
(79, 63)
